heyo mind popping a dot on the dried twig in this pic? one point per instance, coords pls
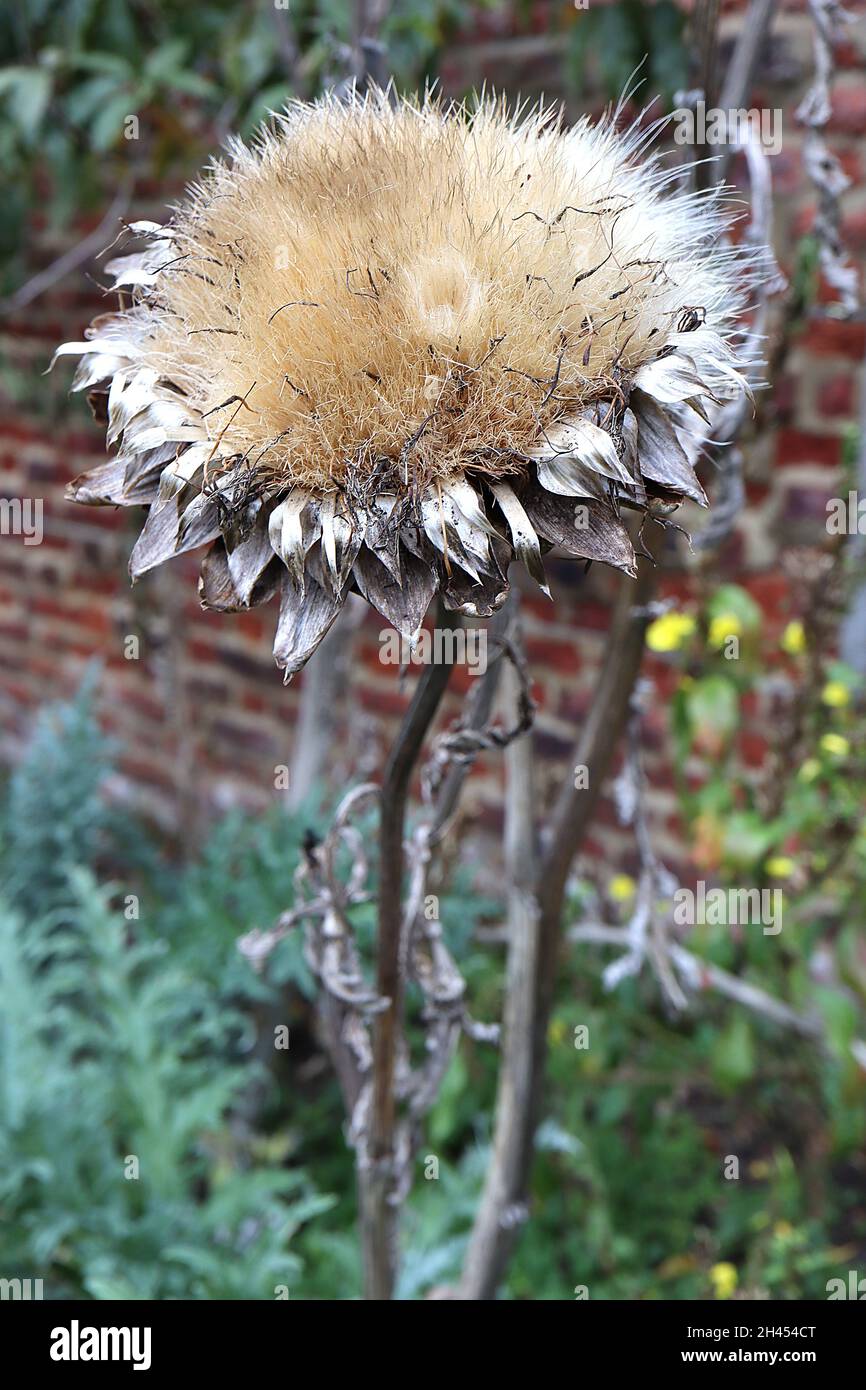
(346, 1004)
(823, 168)
(430, 963)
(730, 492)
(76, 256)
(699, 975)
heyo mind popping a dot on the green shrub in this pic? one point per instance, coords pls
(123, 1174)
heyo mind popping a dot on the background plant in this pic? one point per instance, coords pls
(140, 1037)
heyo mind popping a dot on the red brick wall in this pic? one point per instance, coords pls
(202, 714)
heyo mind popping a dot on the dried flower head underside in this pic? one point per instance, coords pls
(391, 345)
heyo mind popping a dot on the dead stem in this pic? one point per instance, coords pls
(378, 1174)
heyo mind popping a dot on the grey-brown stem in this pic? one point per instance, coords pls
(378, 1172)
(502, 1209)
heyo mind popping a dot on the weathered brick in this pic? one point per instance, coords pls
(829, 337)
(836, 396)
(799, 446)
(848, 107)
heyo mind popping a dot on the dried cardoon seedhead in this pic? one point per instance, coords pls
(393, 345)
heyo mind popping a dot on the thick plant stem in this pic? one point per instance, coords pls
(499, 1214)
(535, 935)
(378, 1199)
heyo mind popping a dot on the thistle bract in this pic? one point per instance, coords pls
(392, 346)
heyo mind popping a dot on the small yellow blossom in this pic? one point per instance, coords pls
(810, 770)
(621, 888)
(835, 745)
(724, 626)
(724, 1279)
(794, 638)
(669, 632)
(780, 866)
(835, 694)
(555, 1032)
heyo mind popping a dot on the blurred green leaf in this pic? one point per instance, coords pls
(733, 599)
(713, 706)
(733, 1055)
(27, 92)
(840, 1018)
(107, 125)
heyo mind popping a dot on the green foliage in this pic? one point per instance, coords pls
(629, 1194)
(151, 1038)
(630, 40)
(122, 1176)
(80, 75)
(56, 816)
(241, 881)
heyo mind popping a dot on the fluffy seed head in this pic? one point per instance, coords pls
(366, 272)
(394, 346)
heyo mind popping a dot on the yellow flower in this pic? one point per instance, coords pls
(810, 770)
(794, 638)
(835, 745)
(724, 626)
(724, 1279)
(621, 888)
(669, 632)
(555, 1032)
(780, 866)
(836, 694)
